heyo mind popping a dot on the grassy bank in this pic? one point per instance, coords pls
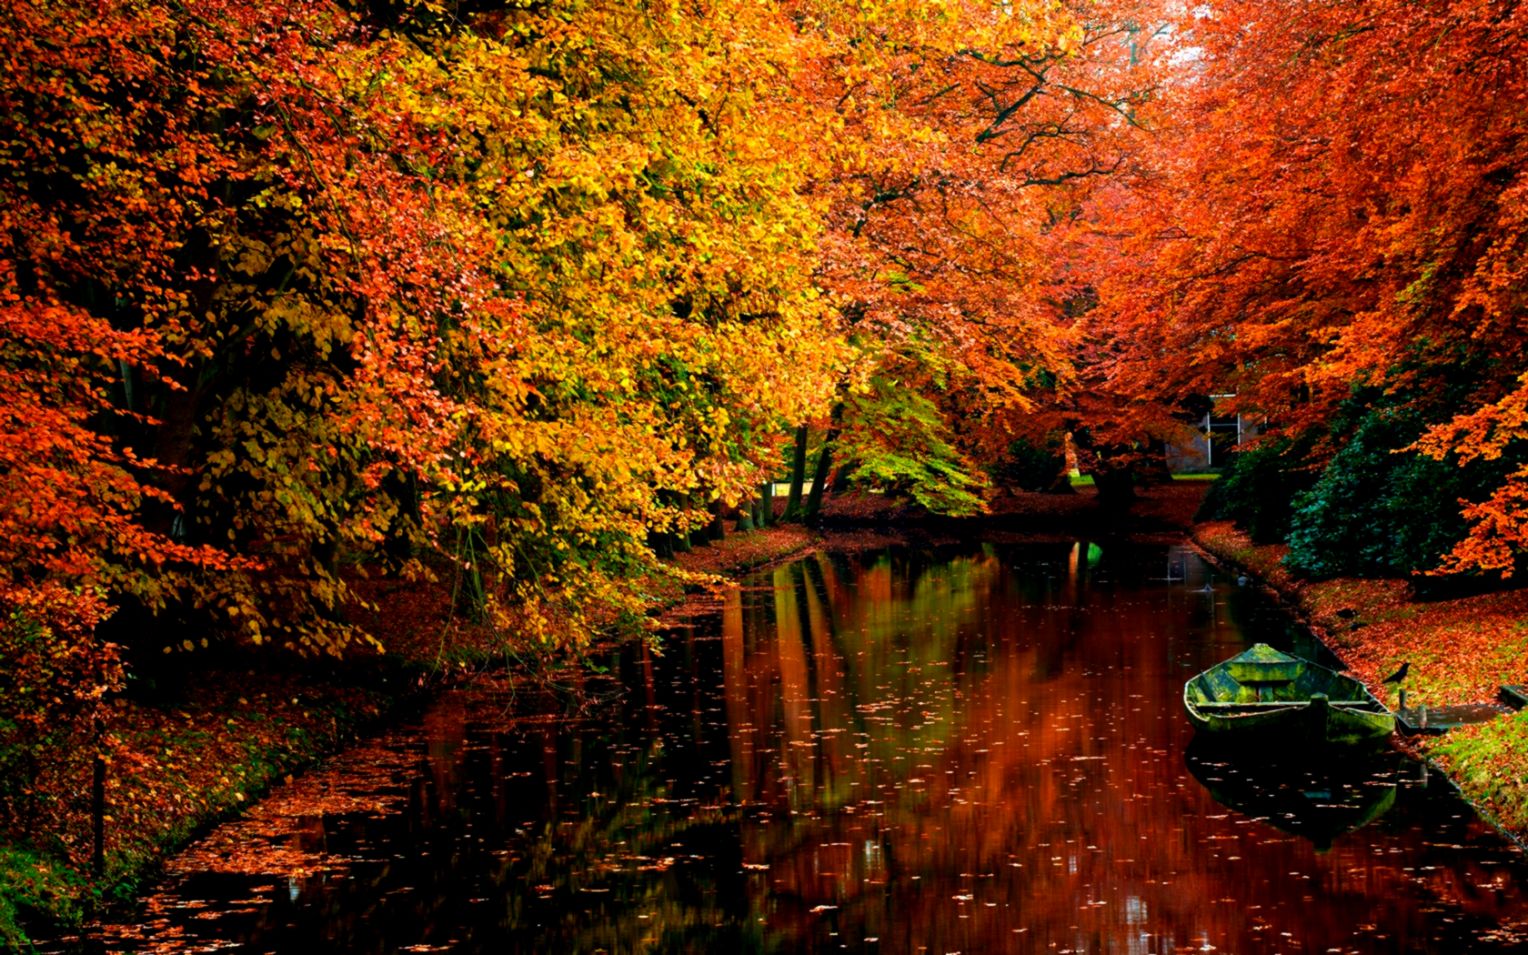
(199, 746)
(1461, 650)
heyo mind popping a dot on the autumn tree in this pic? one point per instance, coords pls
(959, 132)
(1321, 215)
(292, 285)
(641, 169)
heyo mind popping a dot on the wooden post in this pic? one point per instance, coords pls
(98, 838)
(98, 815)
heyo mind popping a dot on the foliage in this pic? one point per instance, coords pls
(894, 439)
(292, 292)
(31, 885)
(1379, 508)
(1030, 466)
(1491, 438)
(295, 292)
(955, 137)
(1257, 490)
(667, 326)
(1300, 232)
(285, 293)
(520, 288)
(311, 293)
(290, 288)
(54, 679)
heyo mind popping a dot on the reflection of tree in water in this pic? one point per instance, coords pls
(972, 750)
(941, 772)
(982, 751)
(859, 670)
(636, 867)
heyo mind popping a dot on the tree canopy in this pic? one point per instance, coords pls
(294, 291)
(1332, 211)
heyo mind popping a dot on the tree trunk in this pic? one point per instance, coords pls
(661, 543)
(766, 505)
(173, 445)
(824, 465)
(1116, 487)
(798, 478)
(717, 529)
(684, 540)
(98, 810)
(1152, 467)
(398, 542)
(841, 476)
(1061, 483)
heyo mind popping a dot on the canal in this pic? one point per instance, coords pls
(956, 748)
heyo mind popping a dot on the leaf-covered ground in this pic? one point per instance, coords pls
(198, 754)
(1461, 650)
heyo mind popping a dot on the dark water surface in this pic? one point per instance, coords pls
(970, 749)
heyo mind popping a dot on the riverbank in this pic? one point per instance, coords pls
(1461, 650)
(201, 745)
(1162, 512)
(856, 740)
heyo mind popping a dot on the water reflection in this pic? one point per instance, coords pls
(1319, 798)
(972, 749)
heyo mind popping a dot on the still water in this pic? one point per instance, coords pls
(975, 748)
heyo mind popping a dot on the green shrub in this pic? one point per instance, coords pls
(32, 885)
(1257, 489)
(1030, 466)
(895, 439)
(1379, 511)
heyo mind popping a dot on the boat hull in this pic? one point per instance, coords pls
(1270, 696)
(1299, 724)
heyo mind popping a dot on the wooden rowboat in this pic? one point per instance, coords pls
(1270, 695)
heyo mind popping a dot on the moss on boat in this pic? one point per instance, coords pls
(1264, 693)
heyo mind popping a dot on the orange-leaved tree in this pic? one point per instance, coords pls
(960, 134)
(1320, 214)
(522, 287)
